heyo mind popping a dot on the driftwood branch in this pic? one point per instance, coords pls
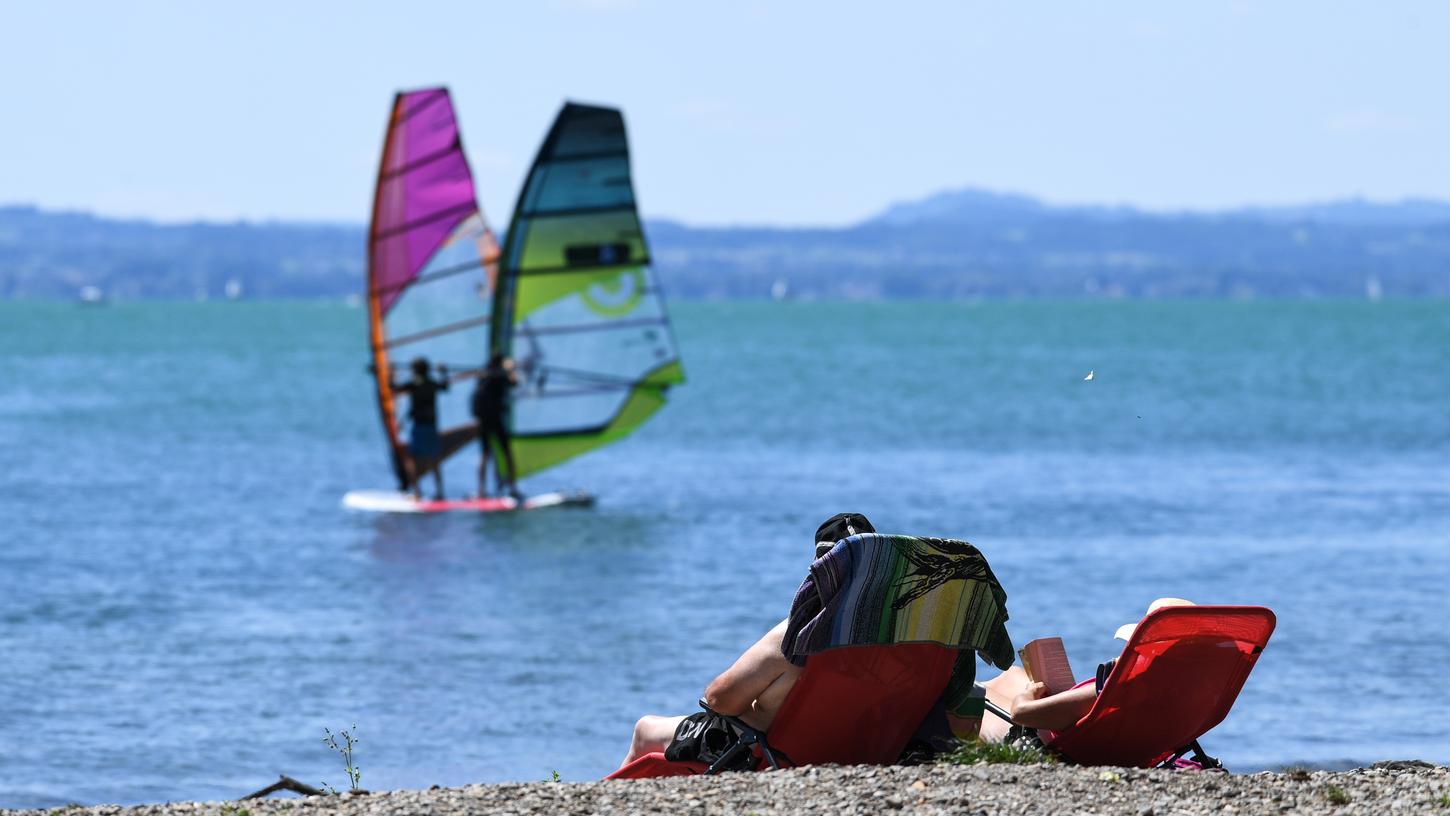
(285, 783)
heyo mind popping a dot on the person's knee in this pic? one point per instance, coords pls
(642, 726)
(637, 739)
(647, 730)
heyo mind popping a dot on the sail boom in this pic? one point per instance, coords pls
(615, 325)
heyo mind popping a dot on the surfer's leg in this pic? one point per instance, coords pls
(506, 448)
(410, 471)
(651, 734)
(482, 465)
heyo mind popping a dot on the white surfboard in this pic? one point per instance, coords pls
(391, 501)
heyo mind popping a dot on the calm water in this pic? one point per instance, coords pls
(184, 607)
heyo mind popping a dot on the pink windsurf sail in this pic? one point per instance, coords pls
(430, 259)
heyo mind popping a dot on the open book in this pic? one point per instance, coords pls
(1045, 661)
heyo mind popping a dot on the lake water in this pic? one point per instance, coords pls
(184, 606)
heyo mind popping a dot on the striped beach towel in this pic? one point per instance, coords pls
(874, 589)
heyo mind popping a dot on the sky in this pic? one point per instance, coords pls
(782, 112)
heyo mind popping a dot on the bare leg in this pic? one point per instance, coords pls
(651, 734)
(438, 481)
(1001, 690)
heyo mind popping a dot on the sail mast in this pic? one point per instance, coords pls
(380, 366)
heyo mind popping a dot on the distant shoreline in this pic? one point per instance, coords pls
(965, 244)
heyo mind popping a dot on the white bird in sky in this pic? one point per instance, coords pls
(1089, 376)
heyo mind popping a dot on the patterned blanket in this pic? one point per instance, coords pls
(874, 589)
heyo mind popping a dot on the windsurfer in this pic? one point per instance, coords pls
(490, 409)
(424, 446)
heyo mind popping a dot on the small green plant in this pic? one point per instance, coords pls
(1444, 800)
(976, 752)
(349, 742)
(1336, 795)
(555, 775)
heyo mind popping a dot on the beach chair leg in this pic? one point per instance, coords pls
(769, 755)
(1200, 756)
(742, 744)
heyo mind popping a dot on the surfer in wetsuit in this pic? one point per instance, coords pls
(490, 409)
(423, 441)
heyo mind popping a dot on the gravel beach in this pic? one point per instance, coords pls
(1390, 787)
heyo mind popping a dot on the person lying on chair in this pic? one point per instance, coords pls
(1032, 707)
(756, 684)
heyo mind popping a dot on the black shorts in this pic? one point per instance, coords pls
(496, 430)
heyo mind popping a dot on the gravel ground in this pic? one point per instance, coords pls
(1389, 787)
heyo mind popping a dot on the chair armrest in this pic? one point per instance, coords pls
(999, 711)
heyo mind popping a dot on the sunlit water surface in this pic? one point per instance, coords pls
(184, 606)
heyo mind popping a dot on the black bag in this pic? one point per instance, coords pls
(705, 737)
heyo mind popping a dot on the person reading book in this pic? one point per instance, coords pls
(1041, 693)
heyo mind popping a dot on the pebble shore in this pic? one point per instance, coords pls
(1408, 787)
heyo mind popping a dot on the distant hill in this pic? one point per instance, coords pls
(53, 254)
(978, 206)
(956, 206)
(958, 244)
(975, 243)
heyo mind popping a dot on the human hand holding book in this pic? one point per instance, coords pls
(1045, 661)
(1050, 701)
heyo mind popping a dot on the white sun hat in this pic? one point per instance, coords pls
(1126, 630)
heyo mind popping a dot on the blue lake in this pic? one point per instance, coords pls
(184, 606)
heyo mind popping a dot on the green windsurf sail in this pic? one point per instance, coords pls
(578, 304)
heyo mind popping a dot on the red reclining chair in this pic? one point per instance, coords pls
(1177, 677)
(851, 706)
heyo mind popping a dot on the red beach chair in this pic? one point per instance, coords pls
(856, 705)
(1177, 677)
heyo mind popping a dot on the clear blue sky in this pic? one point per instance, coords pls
(744, 112)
